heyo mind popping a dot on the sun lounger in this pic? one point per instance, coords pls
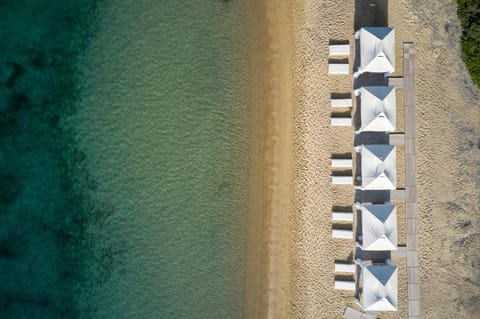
(345, 268)
(345, 285)
(341, 102)
(339, 49)
(338, 68)
(341, 163)
(342, 180)
(342, 216)
(342, 233)
(341, 121)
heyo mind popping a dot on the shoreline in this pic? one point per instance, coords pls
(271, 177)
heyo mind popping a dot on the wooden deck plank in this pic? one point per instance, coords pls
(411, 242)
(409, 146)
(411, 226)
(412, 256)
(413, 291)
(396, 138)
(411, 209)
(400, 253)
(412, 273)
(414, 308)
(410, 192)
(396, 82)
(397, 195)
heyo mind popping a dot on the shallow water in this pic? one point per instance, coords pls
(124, 151)
(162, 121)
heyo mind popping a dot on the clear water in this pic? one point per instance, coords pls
(129, 164)
(162, 121)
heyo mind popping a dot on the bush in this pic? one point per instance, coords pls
(469, 15)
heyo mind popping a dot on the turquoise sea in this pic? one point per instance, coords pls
(124, 160)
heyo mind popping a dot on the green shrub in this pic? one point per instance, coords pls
(469, 15)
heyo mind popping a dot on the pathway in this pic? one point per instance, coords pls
(411, 181)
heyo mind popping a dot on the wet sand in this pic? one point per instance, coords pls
(272, 174)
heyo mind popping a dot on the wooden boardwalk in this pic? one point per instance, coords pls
(396, 139)
(411, 180)
(395, 82)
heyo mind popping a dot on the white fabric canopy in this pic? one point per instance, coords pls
(380, 285)
(378, 167)
(377, 49)
(378, 108)
(379, 227)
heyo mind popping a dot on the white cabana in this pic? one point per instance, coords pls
(379, 227)
(379, 287)
(377, 50)
(378, 108)
(378, 167)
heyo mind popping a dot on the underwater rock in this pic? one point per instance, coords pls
(9, 73)
(4, 100)
(19, 101)
(6, 72)
(9, 188)
(43, 60)
(53, 121)
(7, 126)
(6, 250)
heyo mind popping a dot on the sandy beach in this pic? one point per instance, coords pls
(292, 268)
(272, 175)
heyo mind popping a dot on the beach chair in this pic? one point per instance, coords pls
(341, 163)
(342, 216)
(345, 285)
(341, 102)
(341, 121)
(338, 68)
(339, 49)
(342, 233)
(342, 180)
(345, 268)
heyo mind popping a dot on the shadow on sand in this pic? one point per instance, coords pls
(369, 13)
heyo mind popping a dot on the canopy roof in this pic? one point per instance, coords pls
(379, 227)
(380, 284)
(377, 49)
(378, 108)
(378, 167)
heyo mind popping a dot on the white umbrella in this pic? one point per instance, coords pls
(379, 227)
(378, 167)
(380, 287)
(378, 109)
(377, 50)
